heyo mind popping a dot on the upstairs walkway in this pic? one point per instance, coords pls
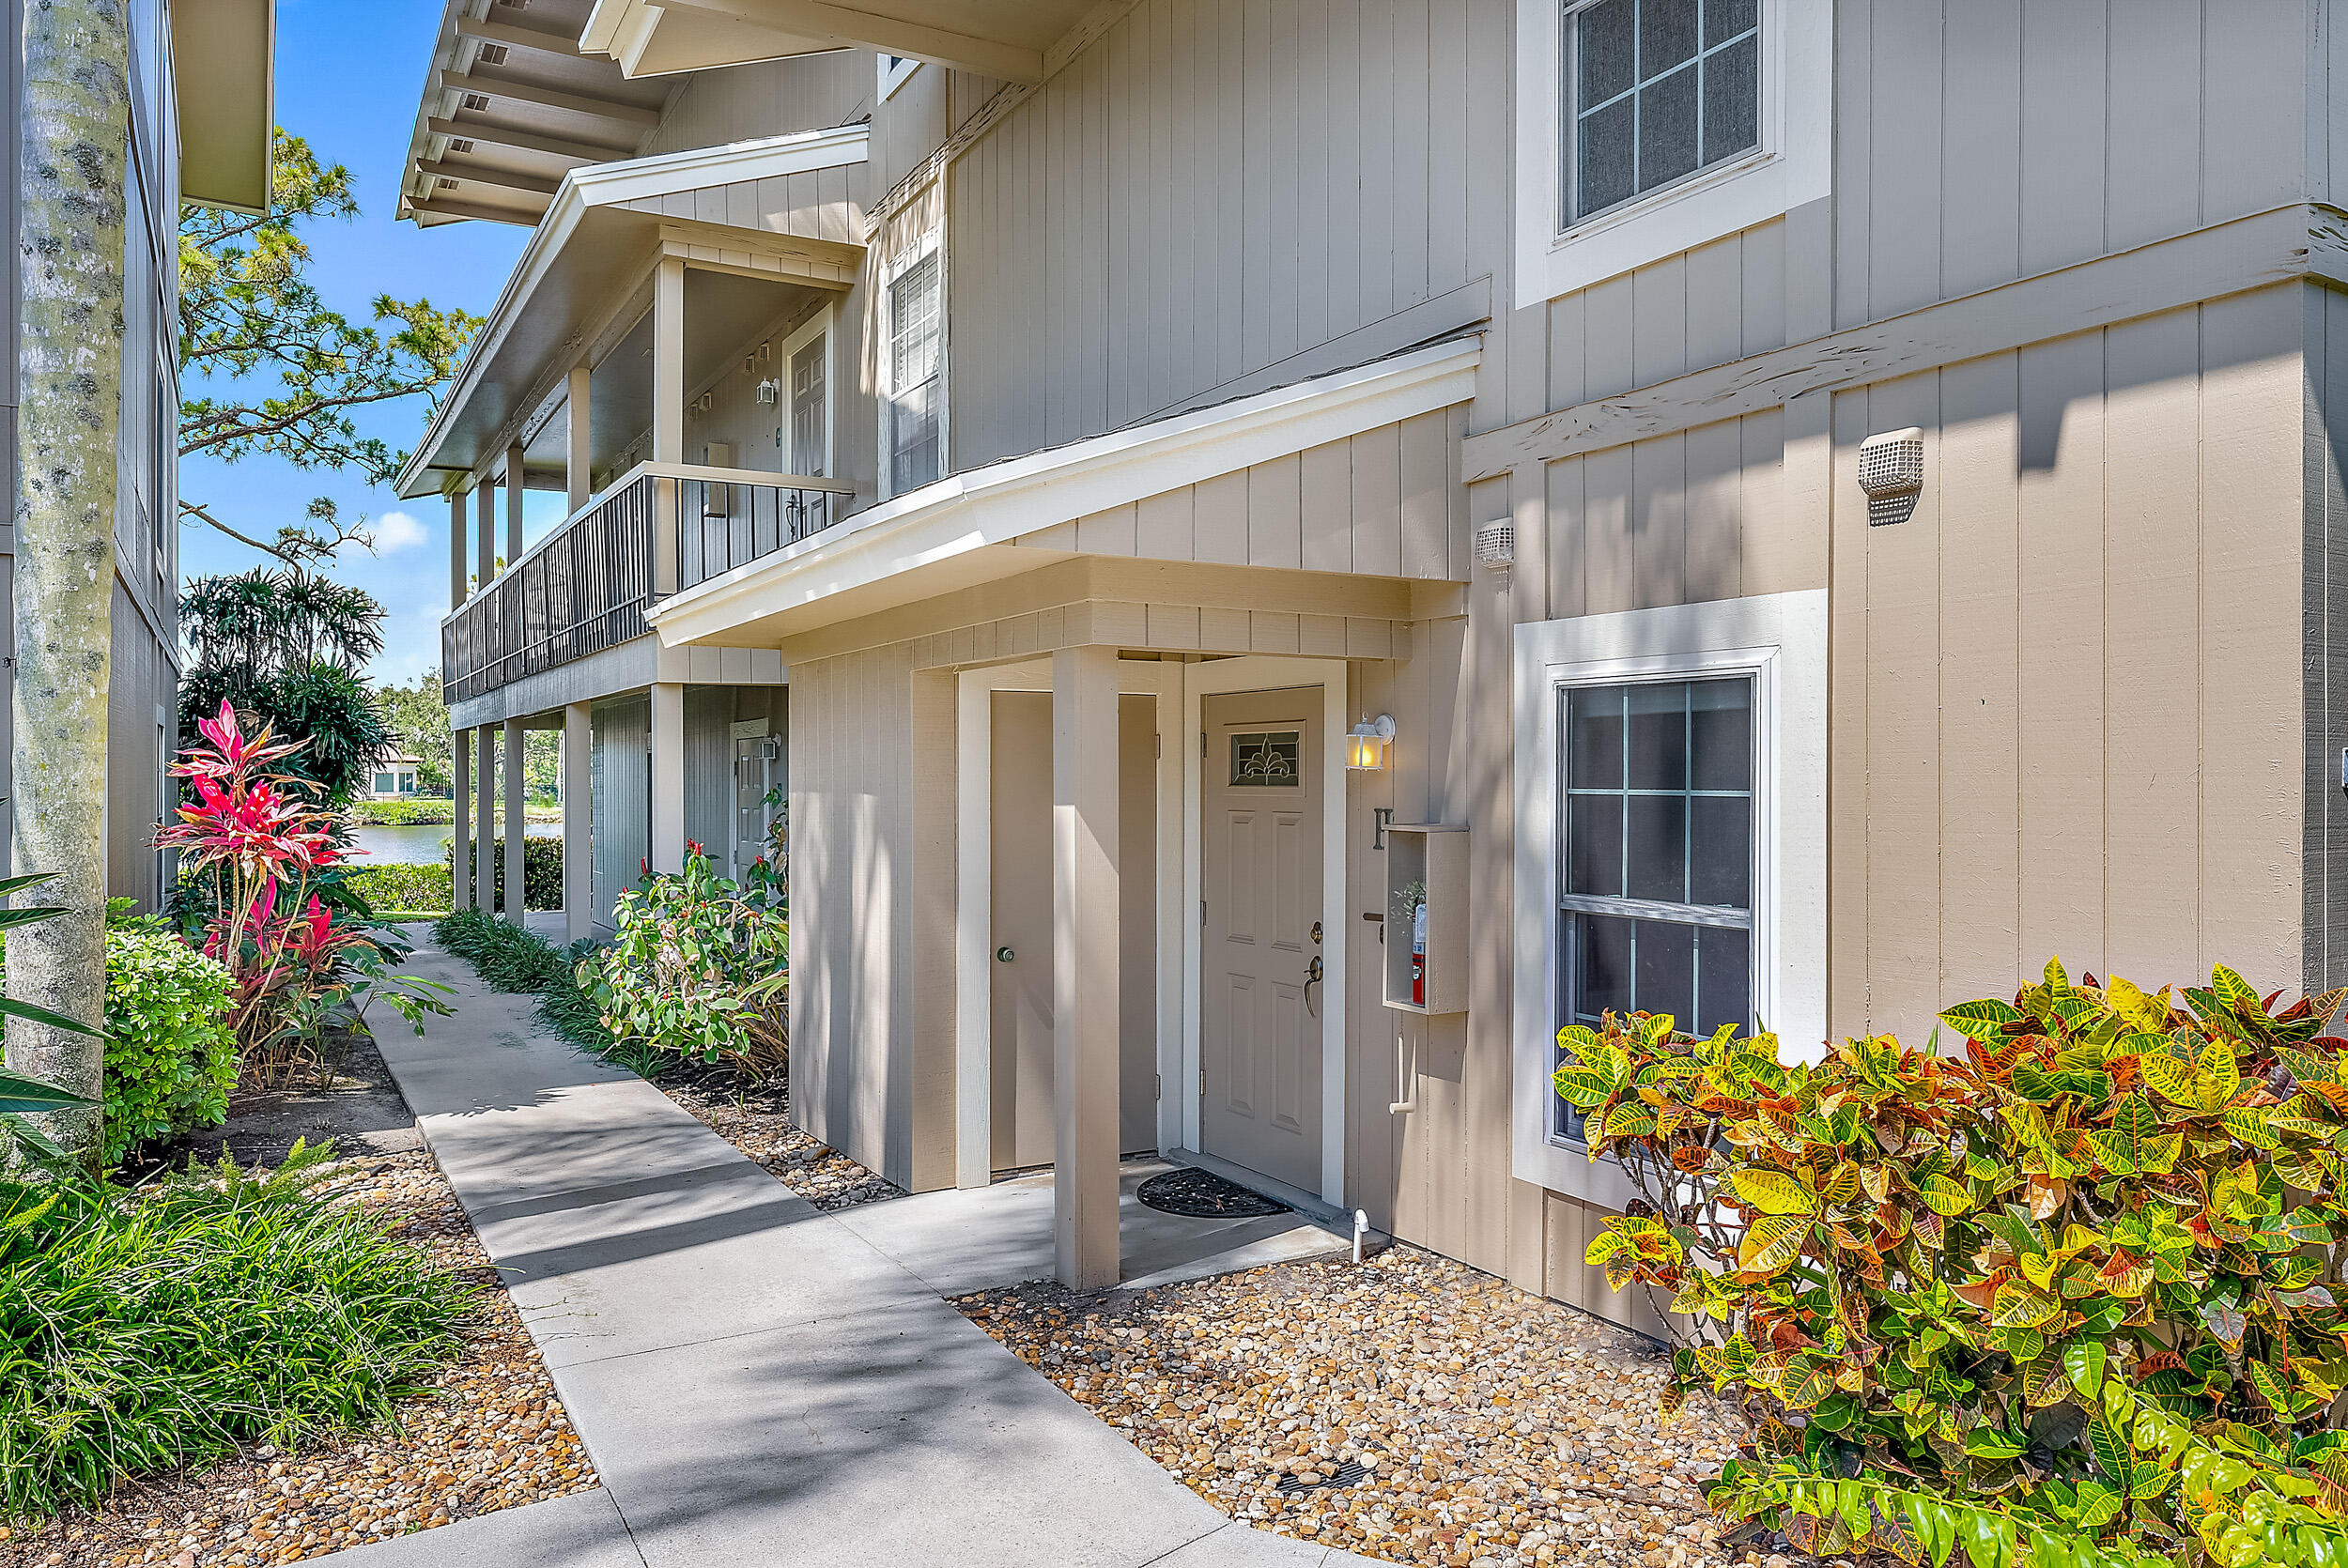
(756, 1382)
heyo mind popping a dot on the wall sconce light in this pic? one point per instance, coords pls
(1366, 746)
(769, 389)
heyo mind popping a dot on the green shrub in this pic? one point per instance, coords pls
(409, 888)
(141, 1331)
(509, 958)
(418, 811)
(2066, 1299)
(542, 870)
(171, 1058)
(696, 972)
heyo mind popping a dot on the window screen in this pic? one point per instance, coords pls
(916, 340)
(1655, 875)
(1655, 90)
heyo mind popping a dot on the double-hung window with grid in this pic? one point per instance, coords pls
(1656, 875)
(917, 331)
(1656, 91)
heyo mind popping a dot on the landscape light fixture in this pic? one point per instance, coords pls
(1366, 746)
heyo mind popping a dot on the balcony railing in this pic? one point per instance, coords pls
(586, 586)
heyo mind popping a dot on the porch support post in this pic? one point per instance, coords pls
(515, 475)
(460, 774)
(484, 821)
(668, 776)
(668, 361)
(456, 551)
(517, 822)
(485, 522)
(1084, 952)
(575, 458)
(578, 867)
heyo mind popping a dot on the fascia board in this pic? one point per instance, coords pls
(597, 185)
(997, 503)
(697, 168)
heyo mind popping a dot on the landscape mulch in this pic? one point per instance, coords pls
(491, 1435)
(755, 1118)
(1408, 1408)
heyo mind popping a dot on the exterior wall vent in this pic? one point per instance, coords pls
(493, 53)
(1496, 547)
(477, 102)
(1892, 472)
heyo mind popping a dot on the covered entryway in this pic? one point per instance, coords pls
(1263, 976)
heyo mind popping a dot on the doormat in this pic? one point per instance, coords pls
(1204, 1195)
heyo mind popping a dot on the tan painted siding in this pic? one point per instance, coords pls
(872, 877)
(2066, 716)
(1385, 503)
(1207, 190)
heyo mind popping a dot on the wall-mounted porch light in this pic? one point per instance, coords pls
(1366, 746)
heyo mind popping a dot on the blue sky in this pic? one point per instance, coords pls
(348, 77)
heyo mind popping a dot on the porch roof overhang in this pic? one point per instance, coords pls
(581, 266)
(964, 529)
(1014, 40)
(222, 58)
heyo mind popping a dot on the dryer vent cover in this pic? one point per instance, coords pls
(1892, 472)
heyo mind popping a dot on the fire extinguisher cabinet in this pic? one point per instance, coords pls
(1426, 870)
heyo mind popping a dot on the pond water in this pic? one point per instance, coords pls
(421, 846)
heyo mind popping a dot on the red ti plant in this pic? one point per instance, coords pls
(265, 842)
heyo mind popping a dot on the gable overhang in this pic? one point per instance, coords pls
(222, 63)
(1014, 40)
(963, 531)
(581, 266)
(510, 104)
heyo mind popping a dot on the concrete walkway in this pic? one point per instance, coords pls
(755, 1382)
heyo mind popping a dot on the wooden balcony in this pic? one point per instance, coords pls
(588, 585)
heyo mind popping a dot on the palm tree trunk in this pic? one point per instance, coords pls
(76, 132)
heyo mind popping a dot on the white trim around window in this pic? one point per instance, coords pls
(1779, 639)
(1793, 163)
(895, 71)
(930, 244)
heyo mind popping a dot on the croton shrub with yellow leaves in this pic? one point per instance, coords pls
(2071, 1296)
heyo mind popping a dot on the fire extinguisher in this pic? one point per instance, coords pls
(1418, 955)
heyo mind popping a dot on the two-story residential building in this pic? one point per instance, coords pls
(1310, 542)
(199, 133)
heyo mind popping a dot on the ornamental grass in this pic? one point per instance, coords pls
(146, 1331)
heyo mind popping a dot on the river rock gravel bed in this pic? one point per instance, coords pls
(1496, 1429)
(756, 1119)
(492, 1434)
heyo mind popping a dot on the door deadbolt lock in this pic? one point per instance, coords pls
(1316, 933)
(1004, 955)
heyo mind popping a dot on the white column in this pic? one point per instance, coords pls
(485, 818)
(668, 361)
(1085, 957)
(579, 865)
(485, 522)
(461, 862)
(668, 776)
(576, 454)
(516, 474)
(455, 553)
(517, 821)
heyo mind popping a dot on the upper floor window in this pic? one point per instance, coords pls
(1658, 90)
(915, 382)
(1648, 128)
(895, 71)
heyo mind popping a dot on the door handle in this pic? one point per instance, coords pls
(1312, 978)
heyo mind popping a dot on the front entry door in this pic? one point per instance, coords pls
(757, 769)
(1260, 1038)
